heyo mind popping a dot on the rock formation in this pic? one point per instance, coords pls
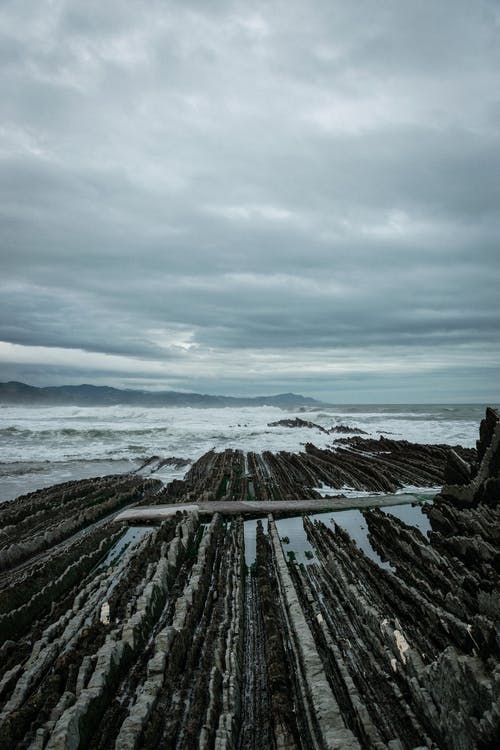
(342, 429)
(360, 463)
(175, 643)
(297, 423)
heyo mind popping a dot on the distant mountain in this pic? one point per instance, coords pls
(95, 395)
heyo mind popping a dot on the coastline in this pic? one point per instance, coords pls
(108, 631)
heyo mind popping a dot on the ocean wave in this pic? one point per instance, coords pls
(95, 432)
(69, 434)
(13, 430)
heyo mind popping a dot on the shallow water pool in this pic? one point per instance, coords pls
(294, 539)
(130, 538)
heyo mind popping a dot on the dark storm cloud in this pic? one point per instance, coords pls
(310, 189)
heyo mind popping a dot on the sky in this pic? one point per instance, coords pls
(252, 197)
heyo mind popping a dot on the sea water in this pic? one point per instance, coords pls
(297, 546)
(45, 445)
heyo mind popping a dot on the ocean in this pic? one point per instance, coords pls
(46, 445)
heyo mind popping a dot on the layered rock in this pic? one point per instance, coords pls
(40, 520)
(480, 483)
(297, 423)
(175, 643)
(363, 464)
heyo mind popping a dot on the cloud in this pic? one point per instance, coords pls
(184, 186)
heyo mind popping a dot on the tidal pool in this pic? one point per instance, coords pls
(412, 515)
(130, 538)
(294, 540)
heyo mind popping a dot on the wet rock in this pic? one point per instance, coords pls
(297, 423)
(364, 464)
(316, 693)
(457, 470)
(485, 484)
(345, 429)
(59, 512)
(155, 463)
(198, 651)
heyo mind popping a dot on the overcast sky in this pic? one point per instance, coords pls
(252, 197)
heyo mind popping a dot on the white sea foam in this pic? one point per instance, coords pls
(39, 446)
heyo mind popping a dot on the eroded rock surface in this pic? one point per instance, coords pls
(357, 463)
(297, 423)
(177, 644)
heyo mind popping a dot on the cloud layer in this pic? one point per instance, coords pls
(236, 197)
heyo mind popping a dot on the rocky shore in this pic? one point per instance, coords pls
(171, 640)
(361, 464)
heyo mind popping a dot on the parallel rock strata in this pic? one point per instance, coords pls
(341, 429)
(174, 643)
(363, 464)
(297, 423)
(37, 521)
